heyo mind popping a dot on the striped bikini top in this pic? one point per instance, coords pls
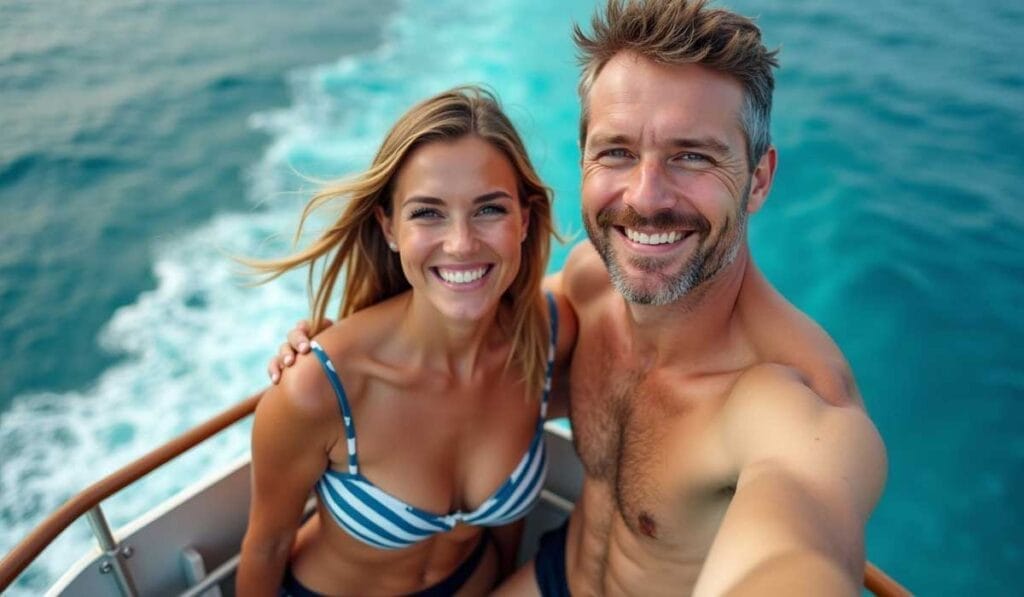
(379, 519)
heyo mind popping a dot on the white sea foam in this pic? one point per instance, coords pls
(197, 343)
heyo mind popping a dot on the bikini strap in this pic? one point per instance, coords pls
(553, 342)
(346, 412)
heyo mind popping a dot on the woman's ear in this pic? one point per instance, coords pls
(386, 226)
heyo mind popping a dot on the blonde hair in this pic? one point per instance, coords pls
(684, 32)
(355, 243)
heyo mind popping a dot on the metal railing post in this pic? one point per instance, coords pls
(114, 554)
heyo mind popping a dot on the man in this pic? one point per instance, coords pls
(724, 443)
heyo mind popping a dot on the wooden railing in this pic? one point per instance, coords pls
(881, 584)
(29, 549)
(87, 501)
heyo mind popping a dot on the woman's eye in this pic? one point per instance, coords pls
(490, 210)
(424, 212)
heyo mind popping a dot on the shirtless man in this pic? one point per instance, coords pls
(725, 446)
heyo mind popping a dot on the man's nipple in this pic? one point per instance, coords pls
(647, 525)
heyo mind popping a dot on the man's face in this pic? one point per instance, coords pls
(666, 184)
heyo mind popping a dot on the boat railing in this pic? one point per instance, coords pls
(114, 555)
(87, 502)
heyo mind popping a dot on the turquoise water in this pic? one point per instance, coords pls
(143, 143)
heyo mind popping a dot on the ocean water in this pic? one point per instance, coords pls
(143, 144)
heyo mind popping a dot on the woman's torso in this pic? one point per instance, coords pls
(431, 437)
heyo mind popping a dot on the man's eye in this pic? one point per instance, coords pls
(614, 157)
(616, 153)
(694, 158)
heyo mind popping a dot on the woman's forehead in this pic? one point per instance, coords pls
(450, 169)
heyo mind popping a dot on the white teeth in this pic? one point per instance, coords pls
(461, 276)
(653, 239)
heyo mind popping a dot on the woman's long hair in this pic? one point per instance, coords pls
(355, 243)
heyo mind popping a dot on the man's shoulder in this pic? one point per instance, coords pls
(773, 414)
(773, 387)
(788, 395)
(585, 277)
(781, 333)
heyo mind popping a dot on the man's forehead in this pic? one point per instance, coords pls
(635, 96)
(640, 72)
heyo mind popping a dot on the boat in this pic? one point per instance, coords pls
(188, 545)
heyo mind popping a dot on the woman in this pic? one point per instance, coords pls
(440, 361)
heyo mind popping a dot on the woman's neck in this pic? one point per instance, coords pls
(438, 342)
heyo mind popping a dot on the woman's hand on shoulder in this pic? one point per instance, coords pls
(296, 343)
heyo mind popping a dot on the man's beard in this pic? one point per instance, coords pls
(711, 256)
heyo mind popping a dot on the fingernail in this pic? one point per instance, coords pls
(275, 377)
(303, 346)
(288, 359)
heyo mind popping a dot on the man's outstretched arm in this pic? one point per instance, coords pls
(809, 476)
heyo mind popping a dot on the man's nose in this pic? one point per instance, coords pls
(460, 239)
(648, 190)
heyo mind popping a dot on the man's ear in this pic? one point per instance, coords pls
(761, 180)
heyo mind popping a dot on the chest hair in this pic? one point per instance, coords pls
(629, 429)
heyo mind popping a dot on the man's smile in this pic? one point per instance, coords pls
(654, 238)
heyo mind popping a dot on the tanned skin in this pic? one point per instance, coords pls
(441, 422)
(725, 445)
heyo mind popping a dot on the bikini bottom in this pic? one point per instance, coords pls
(291, 587)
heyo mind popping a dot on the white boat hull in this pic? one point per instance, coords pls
(200, 530)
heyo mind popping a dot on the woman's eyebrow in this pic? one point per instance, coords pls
(491, 197)
(426, 199)
(437, 201)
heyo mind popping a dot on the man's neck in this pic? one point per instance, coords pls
(688, 329)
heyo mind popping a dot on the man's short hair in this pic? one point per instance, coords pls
(684, 32)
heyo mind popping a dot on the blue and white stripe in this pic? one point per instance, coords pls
(386, 522)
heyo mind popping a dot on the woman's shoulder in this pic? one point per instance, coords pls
(349, 350)
(305, 390)
(358, 336)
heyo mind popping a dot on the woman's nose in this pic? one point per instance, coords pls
(460, 239)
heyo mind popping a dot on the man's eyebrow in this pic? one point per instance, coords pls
(706, 143)
(610, 139)
(428, 200)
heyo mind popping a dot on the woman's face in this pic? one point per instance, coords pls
(459, 225)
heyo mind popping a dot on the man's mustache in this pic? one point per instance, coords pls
(662, 220)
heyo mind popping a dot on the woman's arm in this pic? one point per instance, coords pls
(292, 435)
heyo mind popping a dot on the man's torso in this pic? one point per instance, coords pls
(659, 475)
